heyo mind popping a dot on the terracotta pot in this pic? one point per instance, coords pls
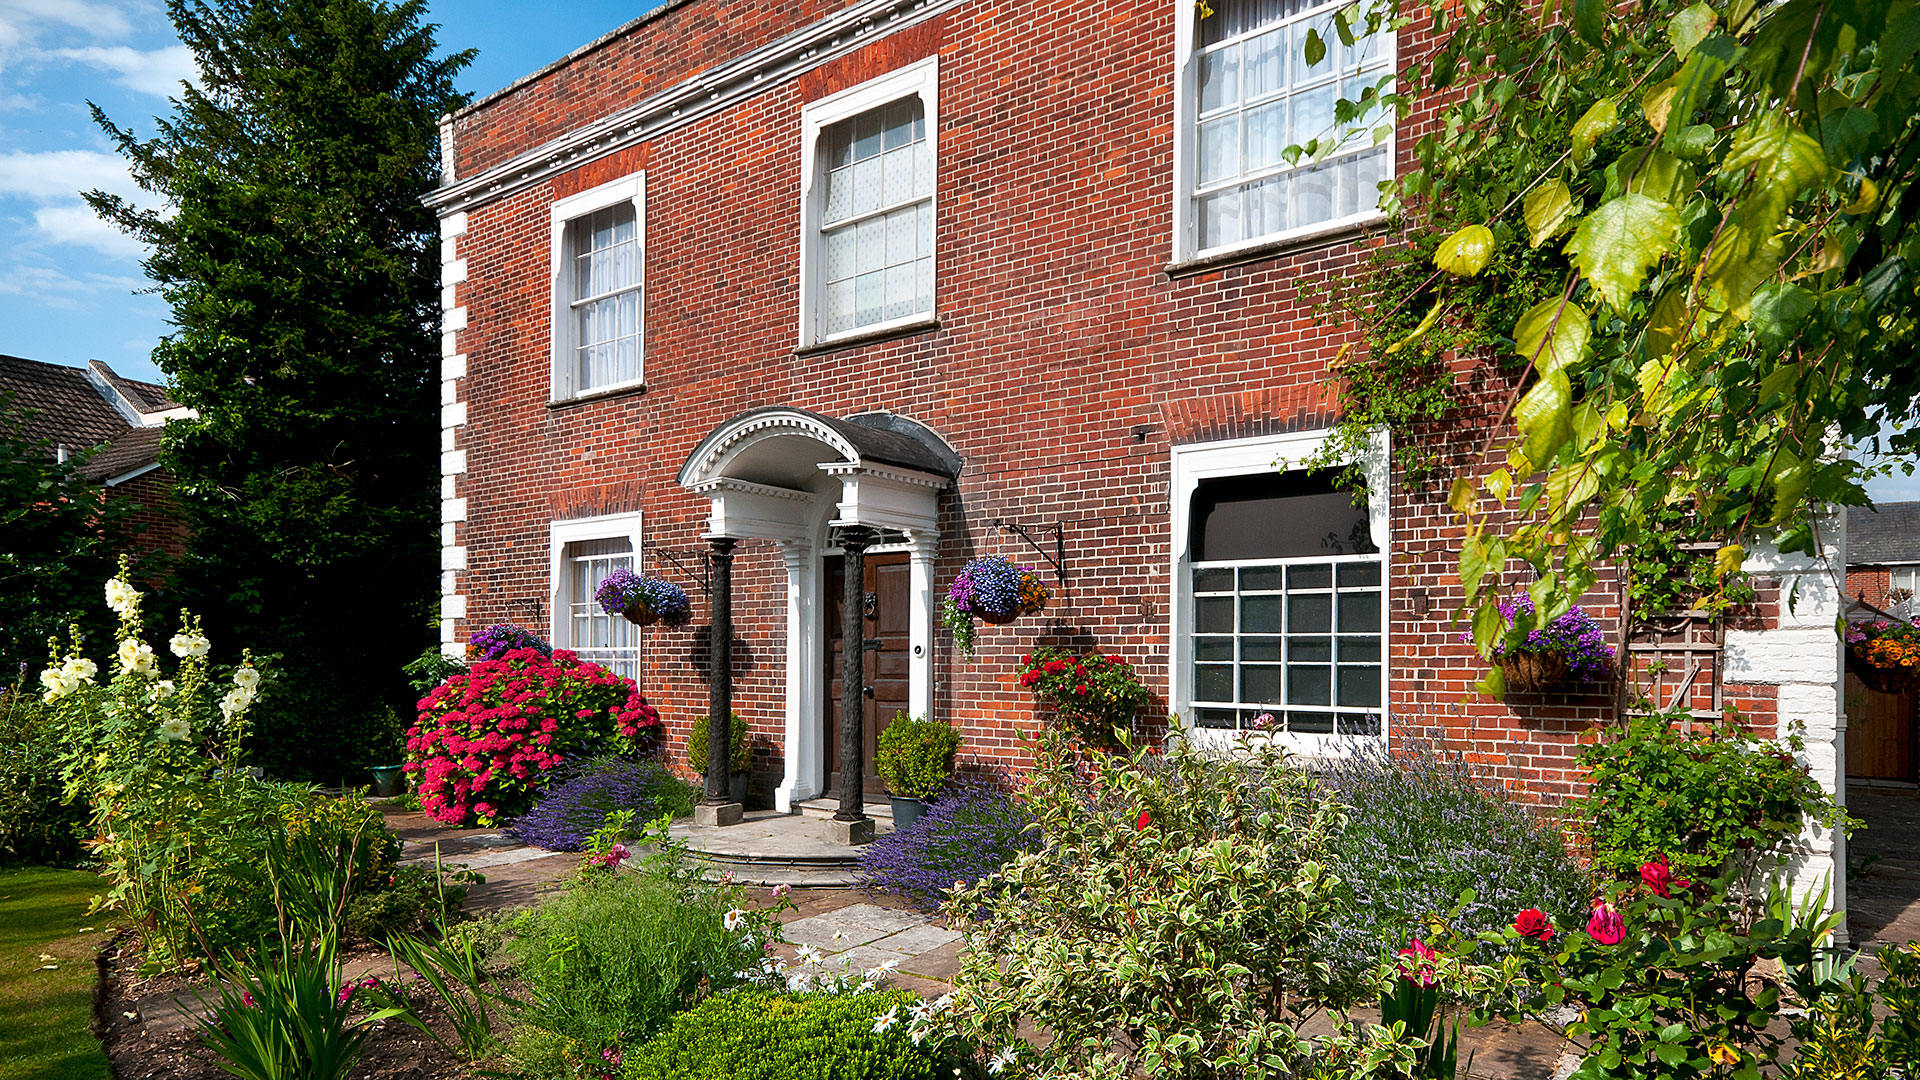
(1529, 673)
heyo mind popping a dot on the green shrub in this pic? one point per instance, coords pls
(914, 756)
(758, 1034)
(36, 825)
(1173, 905)
(697, 747)
(1698, 798)
(608, 962)
(412, 902)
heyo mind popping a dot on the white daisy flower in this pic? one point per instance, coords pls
(809, 955)
(798, 982)
(1000, 1061)
(733, 919)
(887, 1019)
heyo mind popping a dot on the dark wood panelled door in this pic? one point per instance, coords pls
(888, 668)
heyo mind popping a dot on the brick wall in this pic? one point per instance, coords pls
(1067, 363)
(1870, 583)
(156, 519)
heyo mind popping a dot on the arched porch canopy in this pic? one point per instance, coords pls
(767, 470)
(794, 477)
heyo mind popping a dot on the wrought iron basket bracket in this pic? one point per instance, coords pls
(1057, 558)
(696, 565)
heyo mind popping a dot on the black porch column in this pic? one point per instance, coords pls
(718, 807)
(851, 824)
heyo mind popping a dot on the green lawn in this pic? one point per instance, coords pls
(47, 975)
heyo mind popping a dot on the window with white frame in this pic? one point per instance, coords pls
(1903, 588)
(1249, 94)
(1279, 597)
(599, 301)
(868, 228)
(584, 553)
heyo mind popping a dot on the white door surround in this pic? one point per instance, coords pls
(791, 476)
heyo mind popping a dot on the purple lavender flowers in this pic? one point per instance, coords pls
(966, 834)
(571, 810)
(500, 639)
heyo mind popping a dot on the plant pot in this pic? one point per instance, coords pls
(1529, 673)
(1001, 620)
(1880, 679)
(388, 781)
(905, 811)
(641, 616)
(736, 787)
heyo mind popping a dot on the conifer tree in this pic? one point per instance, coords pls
(302, 273)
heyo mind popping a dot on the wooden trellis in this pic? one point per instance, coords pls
(1673, 660)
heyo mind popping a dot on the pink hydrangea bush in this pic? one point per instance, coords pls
(489, 736)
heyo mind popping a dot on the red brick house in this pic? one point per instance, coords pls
(93, 409)
(983, 280)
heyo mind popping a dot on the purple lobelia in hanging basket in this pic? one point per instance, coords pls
(644, 601)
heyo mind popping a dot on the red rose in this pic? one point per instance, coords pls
(1081, 689)
(1657, 875)
(1534, 923)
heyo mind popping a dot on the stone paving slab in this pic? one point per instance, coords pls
(769, 835)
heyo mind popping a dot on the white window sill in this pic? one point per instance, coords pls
(1305, 745)
(867, 335)
(600, 393)
(1272, 246)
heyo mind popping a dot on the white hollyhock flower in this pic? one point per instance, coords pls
(247, 678)
(185, 645)
(175, 728)
(122, 597)
(137, 657)
(163, 689)
(79, 669)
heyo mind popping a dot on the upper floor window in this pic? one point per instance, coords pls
(1250, 94)
(867, 243)
(598, 239)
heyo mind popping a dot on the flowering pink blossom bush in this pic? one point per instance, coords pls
(488, 737)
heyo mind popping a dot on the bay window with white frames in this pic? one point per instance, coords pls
(1280, 600)
(868, 207)
(584, 553)
(1247, 95)
(598, 289)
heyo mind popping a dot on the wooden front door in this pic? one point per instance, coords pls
(888, 666)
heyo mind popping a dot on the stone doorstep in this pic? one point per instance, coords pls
(826, 807)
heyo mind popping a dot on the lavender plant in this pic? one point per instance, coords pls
(500, 639)
(969, 832)
(573, 808)
(1422, 828)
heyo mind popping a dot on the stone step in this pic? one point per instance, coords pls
(769, 876)
(827, 806)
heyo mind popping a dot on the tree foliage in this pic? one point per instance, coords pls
(1725, 194)
(302, 273)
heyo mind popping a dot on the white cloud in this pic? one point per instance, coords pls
(22, 22)
(77, 224)
(158, 71)
(61, 175)
(55, 288)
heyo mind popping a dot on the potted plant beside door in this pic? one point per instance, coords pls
(738, 760)
(914, 755)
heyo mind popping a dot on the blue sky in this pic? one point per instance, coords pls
(70, 286)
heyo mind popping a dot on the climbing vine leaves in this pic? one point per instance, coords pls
(1717, 204)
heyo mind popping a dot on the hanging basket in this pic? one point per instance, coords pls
(644, 601)
(1530, 672)
(996, 591)
(1900, 680)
